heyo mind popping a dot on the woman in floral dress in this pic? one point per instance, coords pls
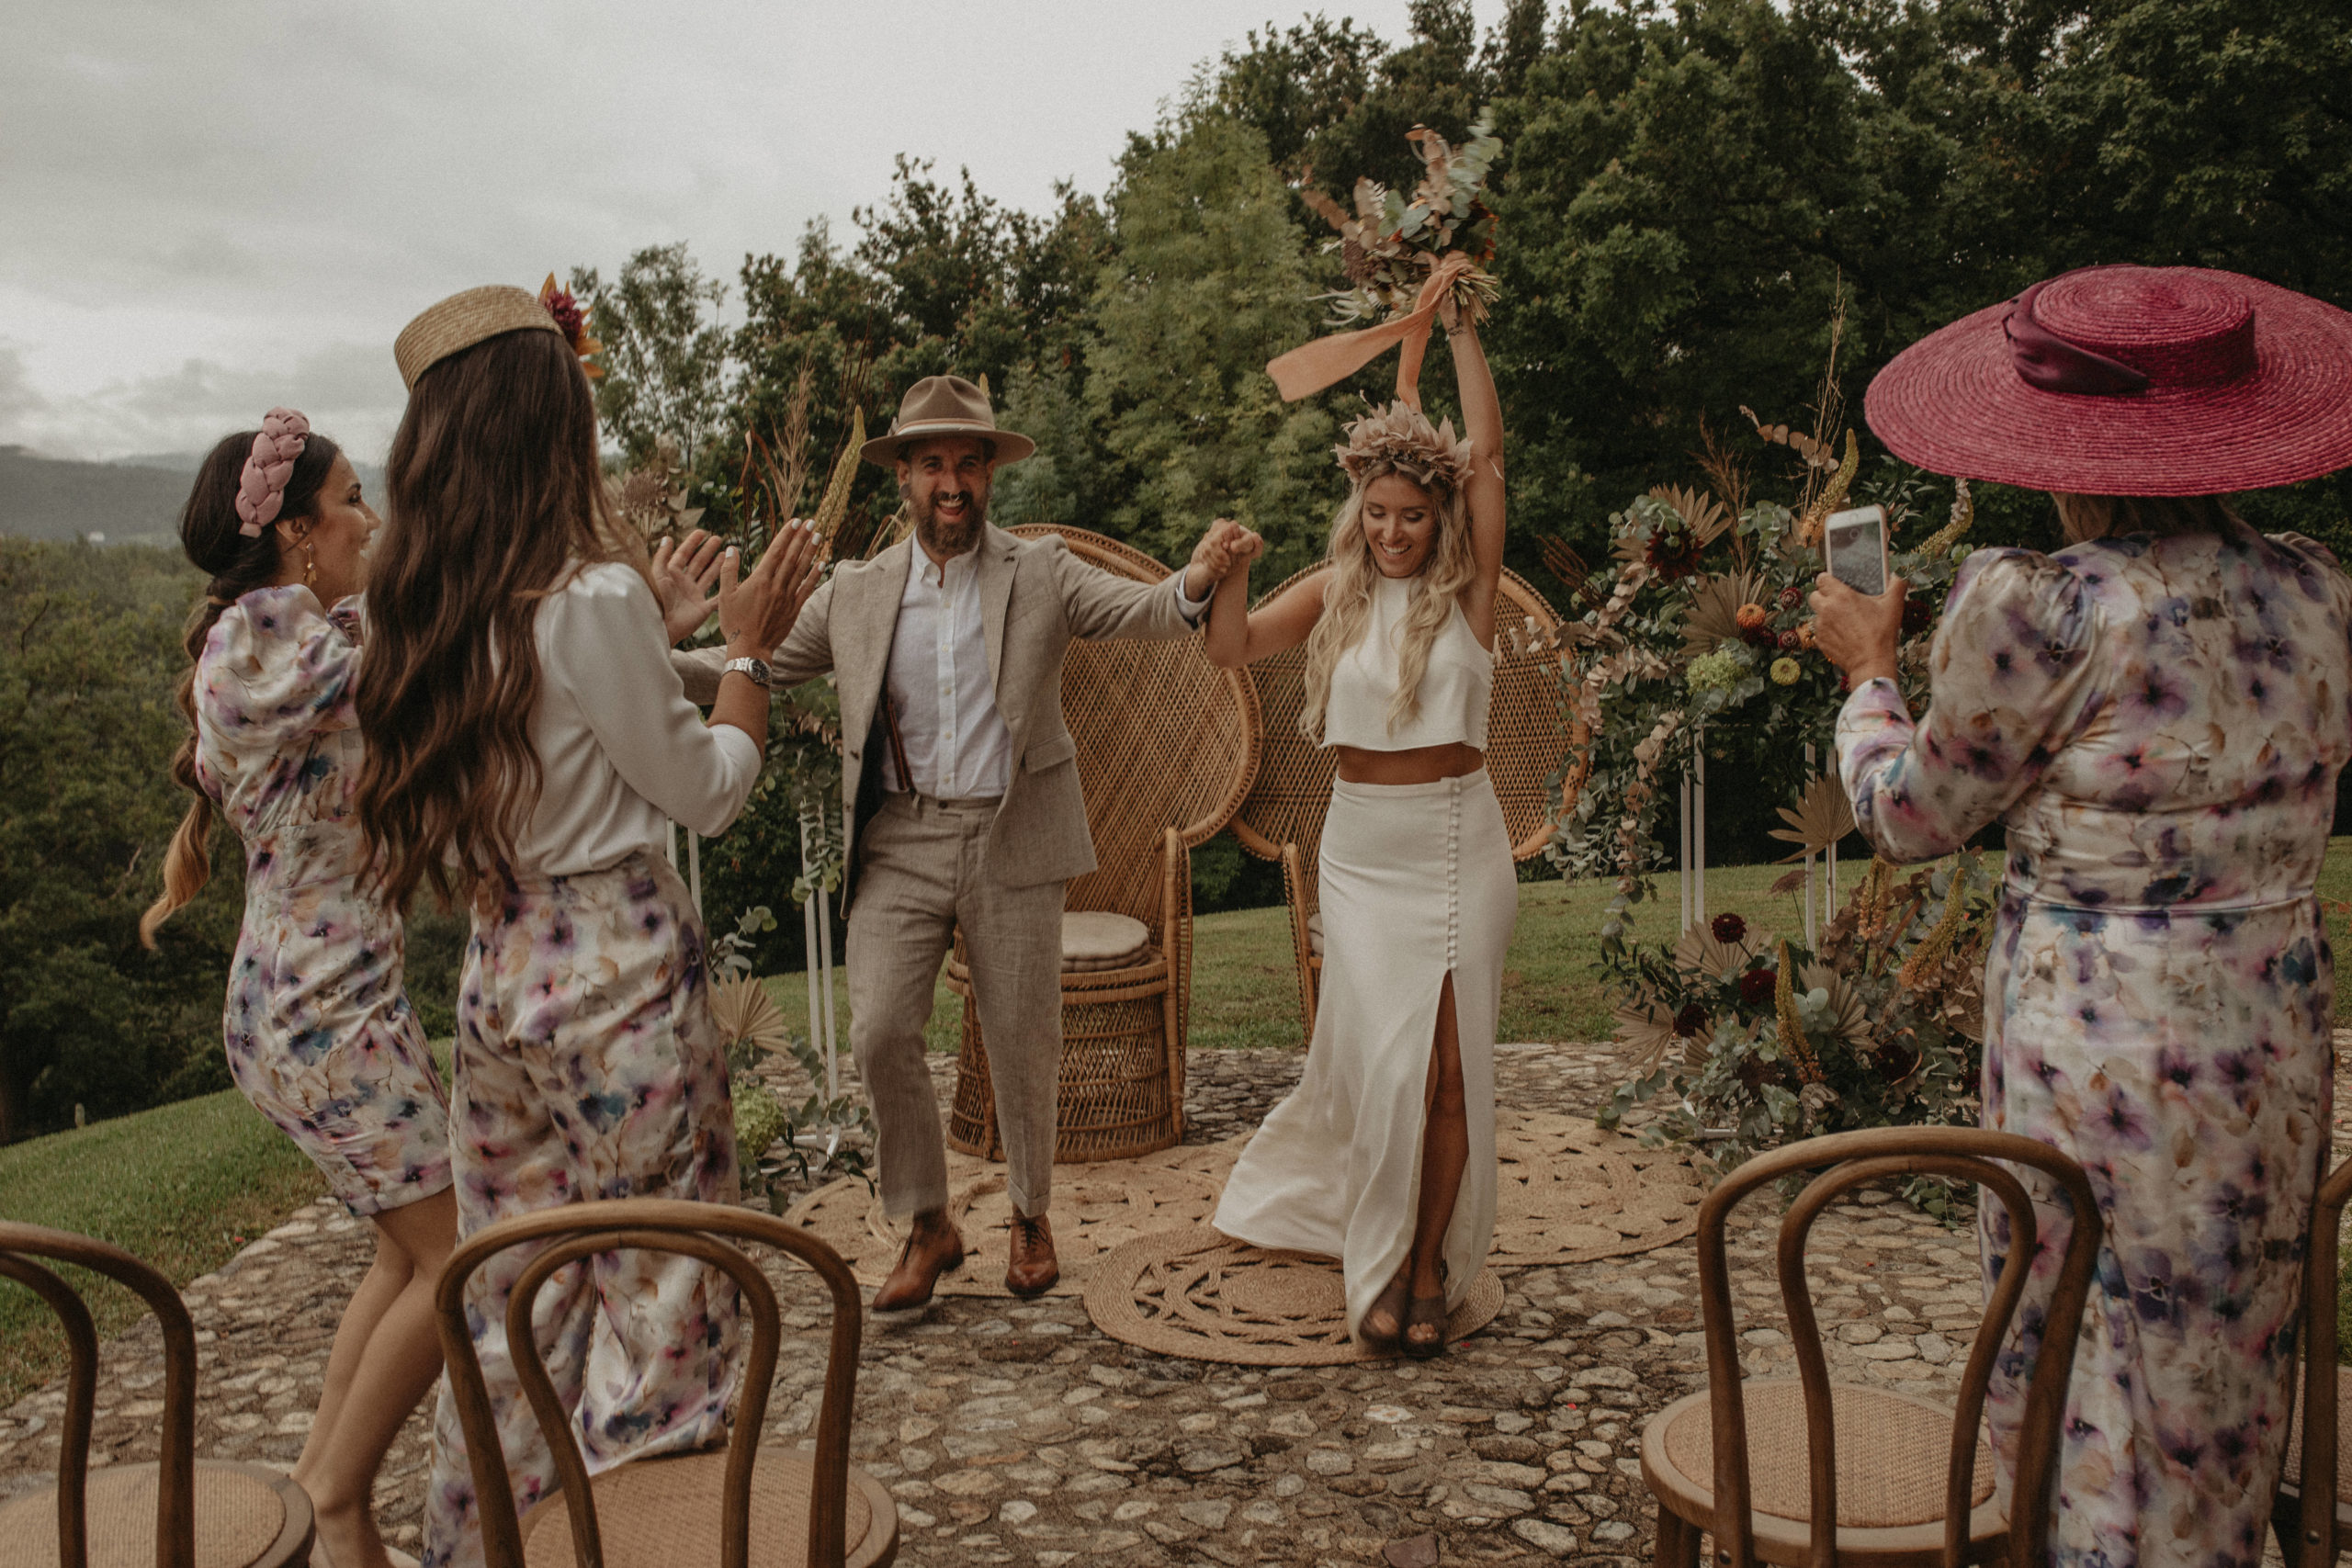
(2157, 715)
(321, 1037)
(527, 743)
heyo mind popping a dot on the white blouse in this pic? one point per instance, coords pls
(620, 748)
(1455, 688)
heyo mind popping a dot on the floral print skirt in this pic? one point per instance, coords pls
(319, 1034)
(588, 1067)
(2184, 1059)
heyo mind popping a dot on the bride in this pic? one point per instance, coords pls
(1384, 1155)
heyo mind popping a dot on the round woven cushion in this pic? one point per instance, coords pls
(239, 1517)
(1893, 1453)
(1097, 939)
(2293, 1473)
(659, 1513)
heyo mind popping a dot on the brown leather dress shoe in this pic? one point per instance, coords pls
(933, 1248)
(1032, 1269)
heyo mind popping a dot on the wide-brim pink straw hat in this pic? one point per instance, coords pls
(2128, 380)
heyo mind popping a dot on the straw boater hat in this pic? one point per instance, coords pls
(945, 405)
(2128, 380)
(464, 320)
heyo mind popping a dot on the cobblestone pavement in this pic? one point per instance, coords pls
(1014, 1433)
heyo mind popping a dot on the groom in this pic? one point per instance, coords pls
(963, 808)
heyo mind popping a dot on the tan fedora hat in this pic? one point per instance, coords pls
(945, 405)
(464, 320)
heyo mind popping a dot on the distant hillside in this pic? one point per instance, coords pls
(53, 497)
(133, 501)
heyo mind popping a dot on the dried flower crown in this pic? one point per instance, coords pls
(571, 322)
(1402, 438)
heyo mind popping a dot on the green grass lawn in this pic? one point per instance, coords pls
(184, 1185)
(180, 1187)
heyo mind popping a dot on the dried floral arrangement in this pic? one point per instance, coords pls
(1754, 1040)
(1391, 242)
(651, 498)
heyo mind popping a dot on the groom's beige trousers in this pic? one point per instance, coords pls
(921, 874)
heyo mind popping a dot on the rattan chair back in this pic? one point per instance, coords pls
(1527, 742)
(285, 1532)
(1852, 1159)
(2319, 1534)
(657, 1225)
(1165, 740)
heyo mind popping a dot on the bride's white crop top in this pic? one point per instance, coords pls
(1454, 689)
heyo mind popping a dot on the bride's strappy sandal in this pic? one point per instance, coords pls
(1393, 1302)
(1429, 1310)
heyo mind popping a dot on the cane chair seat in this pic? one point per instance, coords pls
(1167, 749)
(1282, 820)
(1892, 1453)
(1095, 939)
(1893, 1463)
(246, 1518)
(657, 1512)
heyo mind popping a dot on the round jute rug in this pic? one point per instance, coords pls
(1204, 1296)
(1097, 1208)
(1566, 1192)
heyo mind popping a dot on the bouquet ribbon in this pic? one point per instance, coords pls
(1311, 366)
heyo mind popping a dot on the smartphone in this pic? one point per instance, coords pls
(1856, 541)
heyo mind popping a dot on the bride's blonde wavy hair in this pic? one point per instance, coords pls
(1398, 440)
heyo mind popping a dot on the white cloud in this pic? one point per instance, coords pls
(208, 201)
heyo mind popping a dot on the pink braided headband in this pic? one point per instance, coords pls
(261, 488)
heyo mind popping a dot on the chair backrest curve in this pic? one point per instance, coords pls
(2320, 1540)
(654, 1224)
(175, 1461)
(1846, 1160)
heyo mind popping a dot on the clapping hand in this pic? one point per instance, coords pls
(685, 579)
(758, 612)
(1226, 548)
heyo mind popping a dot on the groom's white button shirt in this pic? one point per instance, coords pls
(958, 745)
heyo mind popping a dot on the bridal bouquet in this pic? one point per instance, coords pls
(1391, 243)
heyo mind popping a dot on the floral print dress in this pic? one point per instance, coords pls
(319, 1034)
(2159, 723)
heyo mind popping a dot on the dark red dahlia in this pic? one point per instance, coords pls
(1689, 1021)
(1673, 554)
(569, 319)
(1757, 986)
(1728, 928)
(1917, 615)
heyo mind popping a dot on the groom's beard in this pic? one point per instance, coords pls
(944, 539)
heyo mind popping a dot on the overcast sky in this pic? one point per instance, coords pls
(207, 208)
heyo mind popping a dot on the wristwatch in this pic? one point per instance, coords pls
(757, 668)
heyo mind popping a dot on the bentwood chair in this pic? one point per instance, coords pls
(179, 1512)
(1167, 747)
(1808, 1473)
(2314, 1510)
(1527, 747)
(731, 1506)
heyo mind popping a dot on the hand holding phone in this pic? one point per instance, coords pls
(1855, 542)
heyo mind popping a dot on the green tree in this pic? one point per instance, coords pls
(665, 354)
(89, 657)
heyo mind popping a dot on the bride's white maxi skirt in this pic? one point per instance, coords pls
(1416, 881)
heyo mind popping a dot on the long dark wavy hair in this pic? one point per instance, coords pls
(493, 494)
(237, 564)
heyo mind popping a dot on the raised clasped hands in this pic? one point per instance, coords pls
(757, 612)
(1860, 633)
(1226, 548)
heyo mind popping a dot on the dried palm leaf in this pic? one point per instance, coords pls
(1570, 568)
(1823, 817)
(1848, 1018)
(746, 1014)
(1703, 514)
(1713, 615)
(1646, 1029)
(1699, 952)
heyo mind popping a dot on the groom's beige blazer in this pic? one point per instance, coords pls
(1034, 598)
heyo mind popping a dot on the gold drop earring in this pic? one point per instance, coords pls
(310, 565)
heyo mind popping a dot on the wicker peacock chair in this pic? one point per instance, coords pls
(1166, 748)
(1526, 745)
